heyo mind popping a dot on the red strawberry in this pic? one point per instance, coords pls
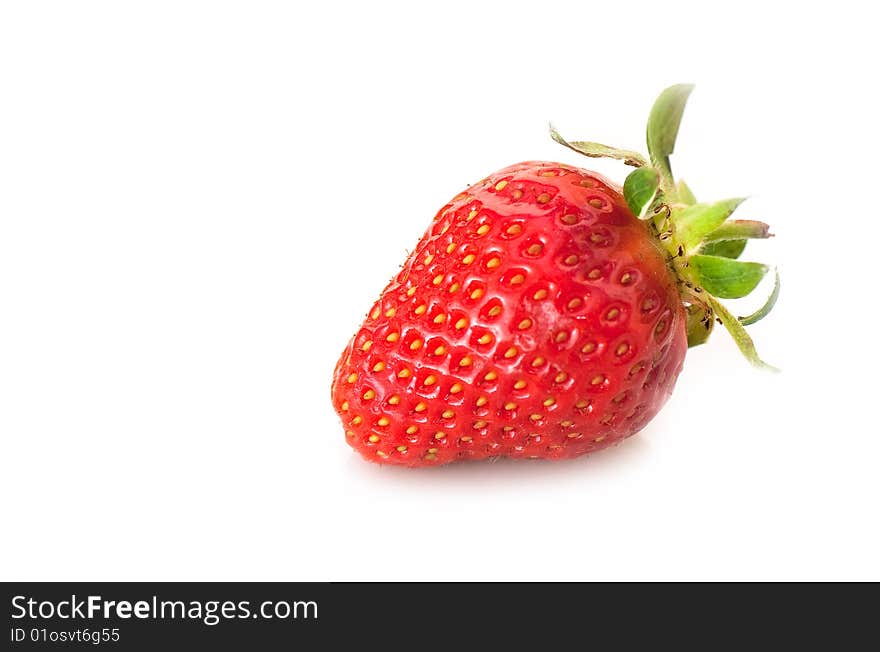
(539, 316)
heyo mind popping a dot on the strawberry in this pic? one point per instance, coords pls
(546, 312)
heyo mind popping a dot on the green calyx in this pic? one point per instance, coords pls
(702, 240)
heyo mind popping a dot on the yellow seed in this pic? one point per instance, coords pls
(430, 380)
(358, 420)
(382, 454)
(412, 430)
(344, 406)
(580, 405)
(511, 352)
(476, 294)
(561, 336)
(375, 313)
(455, 287)
(428, 259)
(485, 338)
(411, 291)
(597, 380)
(439, 319)
(490, 376)
(430, 457)
(535, 417)
(549, 401)
(510, 406)
(520, 384)
(447, 414)
(561, 377)
(394, 400)
(566, 423)
(517, 193)
(621, 348)
(540, 295)
(612, 314)
(481, 401)
(573, 435)
(479, 424)
(440, 350)
(467, 260)
(626, 279)
(401, 449)
(439, 435)
(599, 438)
(548, 173)
(472, 215)
(537, 362)
(352, 377)
(349, 433)
(379, 366)
(369, 395)
(374, 438)
(574, 304)
(404, 373)
(595, 202)
(483, 230)
(571, 260)
(589, 347)
(524, 324)
(393, 337)
(437, 279)
(383, 421)
(494, 311)
(465, 361)
(450, 248)
(543, 198)
(500, 185)
(594, 273)
(390, 312)
(420, 407)
(420, 310)
(461, 323)
(466, 438)
(514, 229)
(433, 450)
(455, 389)
(366, 345)
(444, 229)
(535, 249)
(569, 219)
(493, 262)
(415, 345)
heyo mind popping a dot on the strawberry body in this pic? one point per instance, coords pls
(537, 317)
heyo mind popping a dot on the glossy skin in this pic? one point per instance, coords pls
(536, 317)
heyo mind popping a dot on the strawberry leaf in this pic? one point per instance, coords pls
(739, 229)
(694, 223)
(699, 325)
(738, 333)
(726, 278)
(598, 150)
(685, 195)
(640, 189)
(663, 123)
(724, 248)
(764, 310)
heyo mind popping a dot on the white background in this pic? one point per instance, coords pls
(199, 201)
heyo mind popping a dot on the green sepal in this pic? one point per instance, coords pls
(693, 223)
(685, 196)
(738, 333)
(640, 189)
(724, 248)
(699, 325)
(598, 150)
(663, 123)
(726, 278)
(739, 229)
(764, 310)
